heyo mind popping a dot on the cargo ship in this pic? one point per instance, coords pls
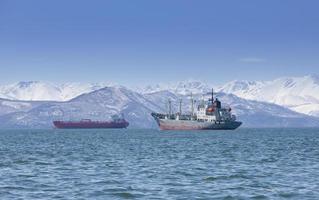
(116, 122)
(208, 116)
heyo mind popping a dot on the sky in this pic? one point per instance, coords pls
(146, 42)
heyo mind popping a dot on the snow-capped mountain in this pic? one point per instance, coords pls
(44, 91)
(137, 108)
(182, 88)
(97, 105)
(11, 106)
(300, 94)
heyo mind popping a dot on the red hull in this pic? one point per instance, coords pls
(90, 124)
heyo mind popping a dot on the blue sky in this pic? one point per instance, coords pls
(141, 42)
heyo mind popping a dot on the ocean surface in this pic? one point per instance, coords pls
(150, 164)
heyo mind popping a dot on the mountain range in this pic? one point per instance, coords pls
(284, 102)
(45, 91)
(300, 94)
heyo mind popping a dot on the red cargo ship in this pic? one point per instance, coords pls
(87, 123)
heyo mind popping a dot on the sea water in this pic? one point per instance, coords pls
(152, 164)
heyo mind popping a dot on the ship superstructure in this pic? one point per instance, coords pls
(210, 115)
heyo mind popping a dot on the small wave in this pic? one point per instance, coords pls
(42, 163)
(13, 188)
(257, 197)
(229, 197)
(233, 176)
(287, 195)
(21, 162)
(184, 173)
(210, 178)
(125, 195)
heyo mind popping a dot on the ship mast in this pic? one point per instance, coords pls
(169, 107)
(212, 99)
(212, 95)
(180, 106)
(192, 101)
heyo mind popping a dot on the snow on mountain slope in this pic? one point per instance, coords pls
(31, 90)
(11, 106)
(300, 94)
(183, 88)
(309, 109)
(43, 91)
(72, 90)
